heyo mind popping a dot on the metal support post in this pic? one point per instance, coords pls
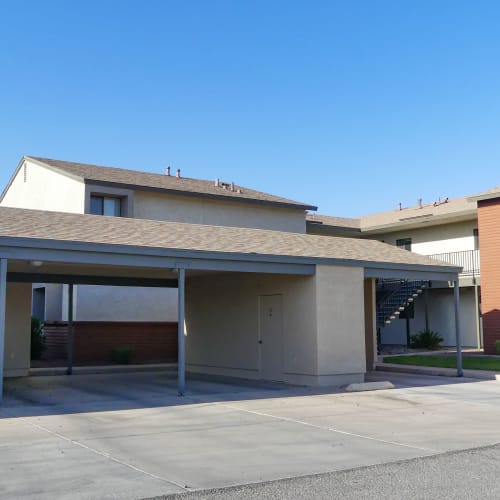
(181, 358)
(69, 368)
(3, 299)
(426, 306)
(456, 296)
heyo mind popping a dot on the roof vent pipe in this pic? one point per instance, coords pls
(419, 203)
(178, 173)
(217, 183)
(168, 171)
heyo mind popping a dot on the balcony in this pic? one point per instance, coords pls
(468, 259)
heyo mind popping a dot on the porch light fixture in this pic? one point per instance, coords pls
(36, 263)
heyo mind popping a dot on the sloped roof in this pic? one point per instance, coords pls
(135, 179)
(486, 195)
(57, 226)
(427, 212)
(439, 212)
(329, 220)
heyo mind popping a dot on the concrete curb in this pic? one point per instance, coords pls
(369, 386)
(85, 370)
(440, 372)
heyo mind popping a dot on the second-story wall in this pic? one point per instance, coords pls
(38, 187)
(198, 210)
(444, 238)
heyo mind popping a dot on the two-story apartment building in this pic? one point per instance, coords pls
(45, 184)
(257, 297)
(446, 230)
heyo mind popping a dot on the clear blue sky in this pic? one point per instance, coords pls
(349, 105)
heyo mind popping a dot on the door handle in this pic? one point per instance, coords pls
(259, 341)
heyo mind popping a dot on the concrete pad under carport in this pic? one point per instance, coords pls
(130, 436)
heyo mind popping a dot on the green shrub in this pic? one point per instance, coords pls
(425, 339)
(121, 355)
(37, 338)
(497, 346)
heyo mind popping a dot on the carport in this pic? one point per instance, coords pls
(309, 294)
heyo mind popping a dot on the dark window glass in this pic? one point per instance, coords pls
(111, 207)
(404, 243)
(105, 205)
(476, 239)
(96, 205)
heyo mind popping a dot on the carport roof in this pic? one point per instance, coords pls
(18, 226)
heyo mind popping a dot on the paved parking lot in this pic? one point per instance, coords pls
(130, 436)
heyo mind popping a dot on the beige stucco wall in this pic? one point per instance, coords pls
(45, 189)
(341, 324)
(17, 330)
(441, 310)
(198, 210)
(323, 325)
(222, 322)
(118, 303)
(436, 239)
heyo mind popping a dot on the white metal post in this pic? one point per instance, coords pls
(181, 357)
(69, 368)
(3, 298)
(456, 296)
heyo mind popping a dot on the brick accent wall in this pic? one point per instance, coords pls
(489, 244)
(151, 342)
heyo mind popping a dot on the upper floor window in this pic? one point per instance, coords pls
(105, 205)
(476, 239)
(404, 243)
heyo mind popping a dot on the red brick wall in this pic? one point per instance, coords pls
(489, 244)
(94, 340)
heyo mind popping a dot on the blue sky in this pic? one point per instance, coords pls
(350, 105)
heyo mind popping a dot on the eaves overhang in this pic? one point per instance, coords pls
(195, 194)
(75, 252)
(420, 221)
(177, 192)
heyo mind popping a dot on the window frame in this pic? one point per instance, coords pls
(404, 243)
(102, 198)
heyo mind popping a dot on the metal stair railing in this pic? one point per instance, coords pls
(394, 296)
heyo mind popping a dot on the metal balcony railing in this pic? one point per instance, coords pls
(468, 259)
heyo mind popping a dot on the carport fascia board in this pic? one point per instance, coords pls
(424, 274)
(142, 256)
(85, 279)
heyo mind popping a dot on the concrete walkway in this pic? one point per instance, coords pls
(129, 436)
(436, 371)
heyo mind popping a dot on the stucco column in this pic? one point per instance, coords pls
(3, 297)
(370, 323)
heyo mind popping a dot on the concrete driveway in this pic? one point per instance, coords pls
(129, 436)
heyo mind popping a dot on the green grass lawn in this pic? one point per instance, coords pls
(470, 363)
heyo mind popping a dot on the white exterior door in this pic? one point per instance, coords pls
(271, 337)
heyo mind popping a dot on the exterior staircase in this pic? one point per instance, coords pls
(394, 296)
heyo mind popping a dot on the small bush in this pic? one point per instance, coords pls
(425, 339)
(497, 346)
(37, 338)
(121, 355)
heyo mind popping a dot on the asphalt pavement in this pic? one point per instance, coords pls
(469, 474)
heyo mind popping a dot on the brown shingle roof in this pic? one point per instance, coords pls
(443, 209)
(486, 195)
(35, 224)
(328, 220)
(159, 182)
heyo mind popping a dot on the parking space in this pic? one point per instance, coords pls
(130, 435)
